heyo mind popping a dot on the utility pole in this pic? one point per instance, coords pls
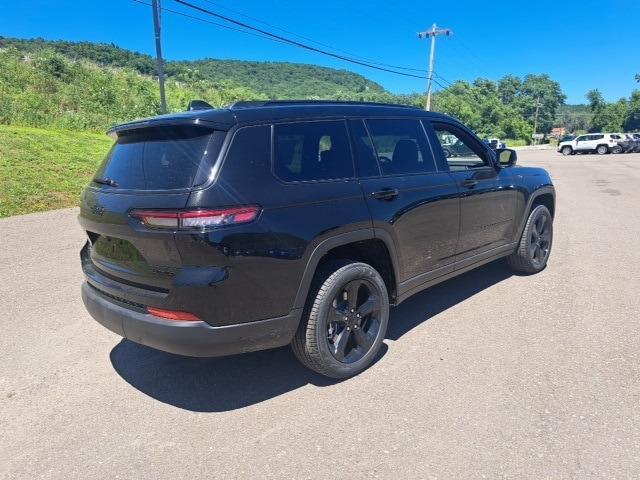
(535, 122)
(433, 33)
(160, 64)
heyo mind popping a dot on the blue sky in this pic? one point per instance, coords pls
(581, 44)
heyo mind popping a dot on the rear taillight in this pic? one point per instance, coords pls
(194, 219)
(173, 315)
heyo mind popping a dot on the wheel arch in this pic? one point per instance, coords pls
(543, 195)
(360, 245)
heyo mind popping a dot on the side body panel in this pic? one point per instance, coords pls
(264, 261)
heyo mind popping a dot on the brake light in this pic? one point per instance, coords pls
(173, 315)
(190, 219)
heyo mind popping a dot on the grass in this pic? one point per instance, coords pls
(511, 142)
(45, 169)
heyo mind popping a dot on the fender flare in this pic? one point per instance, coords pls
(541, 190)
(322, 248)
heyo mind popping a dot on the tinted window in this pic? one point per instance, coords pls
(581, 138)
(159, 158)
(312, 151)
(401, 146)
(459, 148)
(363, 149)
(597, 137)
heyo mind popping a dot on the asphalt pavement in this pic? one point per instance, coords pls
(489, 375)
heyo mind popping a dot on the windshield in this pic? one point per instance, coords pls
(160, 158)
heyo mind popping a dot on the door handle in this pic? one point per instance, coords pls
(386, 194)
(469, 183)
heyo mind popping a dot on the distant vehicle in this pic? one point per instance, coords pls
(495, 143)
(214, 232)
(456, 149)
(630, 142)
(566, 138)
(600, 143)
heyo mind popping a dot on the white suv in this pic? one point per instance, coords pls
(600, 143)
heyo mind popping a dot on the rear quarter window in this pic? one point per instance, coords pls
(161, 158)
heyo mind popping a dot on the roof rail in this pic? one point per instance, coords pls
(267, 103)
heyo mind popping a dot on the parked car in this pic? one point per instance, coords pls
(566, 138)
(630, 142)
(495, 143)
(455, 149)
(221, 231)
(600, 143)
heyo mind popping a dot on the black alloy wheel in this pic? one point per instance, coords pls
(540, 240)
(353, 322)
(534, 248)
(345, 320)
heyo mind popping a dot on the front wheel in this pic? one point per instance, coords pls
(566, 150)
(534, 248)
(345, 320)
(616, 149)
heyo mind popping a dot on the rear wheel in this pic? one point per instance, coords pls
(602, 149)
(534, 248)
(566, 150)
(345, 320)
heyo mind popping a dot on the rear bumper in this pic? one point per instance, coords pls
(195, 339)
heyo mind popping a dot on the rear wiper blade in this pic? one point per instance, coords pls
(106, 181)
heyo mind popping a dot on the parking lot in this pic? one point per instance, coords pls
(484, 376)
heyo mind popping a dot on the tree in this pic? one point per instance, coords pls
(632, 118)
(607, 117)
(540, 89)
(508, 88)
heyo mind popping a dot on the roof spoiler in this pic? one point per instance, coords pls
(198, 105)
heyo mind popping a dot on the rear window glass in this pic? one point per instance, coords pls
(162, 158)
(309, 151)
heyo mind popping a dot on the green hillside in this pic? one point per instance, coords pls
(282, 80)
(87, 86)
(45, 169)
(47, 89)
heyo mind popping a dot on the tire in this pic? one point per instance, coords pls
(616, 149)
(602, 149)
(566, 150)
(534, 248)
(337, 337)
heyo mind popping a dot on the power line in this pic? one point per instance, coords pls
(222, 25)
(350, 54)
(294, 42)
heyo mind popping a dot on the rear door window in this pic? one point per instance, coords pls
(401, 146)
(161, 158)
(363, 148)
(312, 151)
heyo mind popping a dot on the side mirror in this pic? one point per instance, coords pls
(507, 157)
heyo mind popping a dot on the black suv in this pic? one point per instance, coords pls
(220, 231)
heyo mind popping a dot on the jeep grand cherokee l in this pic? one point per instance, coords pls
(219, 231)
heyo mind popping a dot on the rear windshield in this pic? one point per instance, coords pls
(161, 158)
